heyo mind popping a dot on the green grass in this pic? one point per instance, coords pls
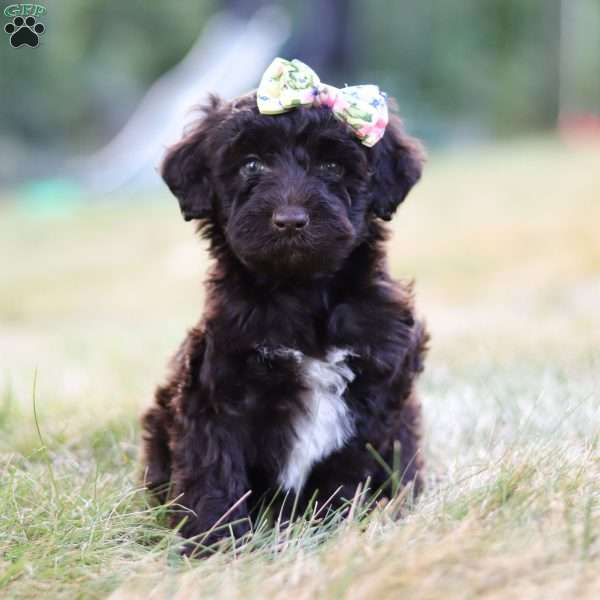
(504, 245)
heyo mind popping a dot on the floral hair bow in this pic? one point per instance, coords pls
(286, 85)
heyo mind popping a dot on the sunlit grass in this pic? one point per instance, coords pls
(504, 245)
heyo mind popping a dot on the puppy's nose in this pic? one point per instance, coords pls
(290, 218)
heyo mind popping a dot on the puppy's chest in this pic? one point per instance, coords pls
(324, 423)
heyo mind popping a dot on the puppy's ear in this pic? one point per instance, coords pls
(397, 164)
(186, 167)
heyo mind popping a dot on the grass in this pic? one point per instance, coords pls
(505, 248)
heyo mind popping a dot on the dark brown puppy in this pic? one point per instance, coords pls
(307, 351)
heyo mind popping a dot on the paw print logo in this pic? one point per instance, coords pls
(24, 32)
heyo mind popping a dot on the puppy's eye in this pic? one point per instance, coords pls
(253, 166)
(331, 169)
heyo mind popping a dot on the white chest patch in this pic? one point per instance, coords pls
(327, 423)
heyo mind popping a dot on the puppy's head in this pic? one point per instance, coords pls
(294, 193)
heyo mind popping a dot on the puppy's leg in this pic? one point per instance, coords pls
(210, 484)
(155, 446)
(408, 427)
(336, 479)
(407, 434)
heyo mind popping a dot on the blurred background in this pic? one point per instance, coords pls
(100, 277)
(111, 76)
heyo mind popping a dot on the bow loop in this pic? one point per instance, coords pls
(287, 85)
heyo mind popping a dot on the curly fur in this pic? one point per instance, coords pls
(307, 351)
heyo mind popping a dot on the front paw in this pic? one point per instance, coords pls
(204, 542)
(200, 550)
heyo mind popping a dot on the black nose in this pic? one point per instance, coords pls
(290, 218)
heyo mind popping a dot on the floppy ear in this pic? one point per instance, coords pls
(186, 169)
(397, 164)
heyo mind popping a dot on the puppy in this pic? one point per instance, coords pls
(300, 375)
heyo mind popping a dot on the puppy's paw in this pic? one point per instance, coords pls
(207, 543)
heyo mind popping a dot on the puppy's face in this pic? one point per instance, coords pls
(294, 193)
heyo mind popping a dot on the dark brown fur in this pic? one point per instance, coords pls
(223, 423)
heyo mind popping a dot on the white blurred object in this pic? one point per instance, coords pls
(228, 59)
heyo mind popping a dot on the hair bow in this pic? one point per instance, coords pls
(286, 85)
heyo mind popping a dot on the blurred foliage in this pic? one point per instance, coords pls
(489, 64)
(459, 68)
(97, 60)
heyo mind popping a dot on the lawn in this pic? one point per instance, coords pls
(504, 244)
